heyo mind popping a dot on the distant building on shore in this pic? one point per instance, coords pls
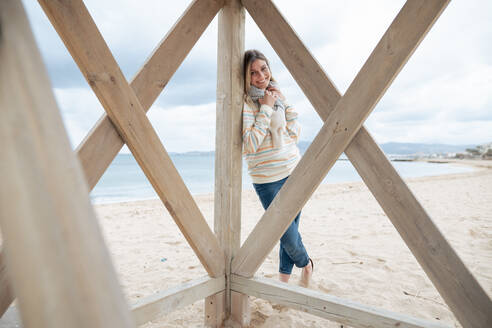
(479, 152)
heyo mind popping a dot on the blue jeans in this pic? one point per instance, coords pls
(292, 249)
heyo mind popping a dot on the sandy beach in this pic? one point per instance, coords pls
(358, 254)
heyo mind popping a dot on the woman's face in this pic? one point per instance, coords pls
(260, 74)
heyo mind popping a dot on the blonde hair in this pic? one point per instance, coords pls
(249, 57)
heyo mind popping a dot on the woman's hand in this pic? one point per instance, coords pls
(276, 91)
(268, 99)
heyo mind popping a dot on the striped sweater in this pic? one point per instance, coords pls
(266, 163)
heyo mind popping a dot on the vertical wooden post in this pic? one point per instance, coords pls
(56, 257)
(228, 165)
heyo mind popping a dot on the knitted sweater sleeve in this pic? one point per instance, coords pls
(293, 127)
(255, 127)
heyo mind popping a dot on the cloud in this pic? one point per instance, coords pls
(441, 95)
(185, 128)
(431, 131)
(80, 110)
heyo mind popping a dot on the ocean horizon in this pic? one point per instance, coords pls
(125, 181)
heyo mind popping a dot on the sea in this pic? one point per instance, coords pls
(124, 180)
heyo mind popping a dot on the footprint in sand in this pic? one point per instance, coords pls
(173, 242)
(323, 288)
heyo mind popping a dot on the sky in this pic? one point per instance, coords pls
(442, 95)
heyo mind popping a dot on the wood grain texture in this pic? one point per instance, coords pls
(89, 50)
(58, 263)
(228, 148)
(156, 305)
(326, 306)
(458, 287)
(102, 144)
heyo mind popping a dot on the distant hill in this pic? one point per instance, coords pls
(390, 148)
(400, 148)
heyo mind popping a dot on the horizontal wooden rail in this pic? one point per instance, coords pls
(174, 298)
(326, 306)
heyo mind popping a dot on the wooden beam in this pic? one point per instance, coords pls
(58, 263)
(89, 50)
(228, 158)
(174, 298)
(457, 286)
(103, 142)
(6, 294)
(326, 306)
(386, 60)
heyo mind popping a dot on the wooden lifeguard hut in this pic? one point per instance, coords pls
(54, 260)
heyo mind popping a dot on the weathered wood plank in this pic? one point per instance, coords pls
(215, 315)
(228, 140)
(58, 264)
(174, 298)
(103, 142)
(89, 50)
(458, 286)
(391, 53)
(228, 159)
(326, 306)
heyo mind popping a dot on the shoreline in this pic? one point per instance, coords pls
(476, 164)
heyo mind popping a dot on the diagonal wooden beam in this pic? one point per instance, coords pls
(156, 305)
(103, 142)
(89, 50)
(386, 60)
(458, 286)
(58, 263)
(326, 306)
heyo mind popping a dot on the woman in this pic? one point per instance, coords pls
(270, 134)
